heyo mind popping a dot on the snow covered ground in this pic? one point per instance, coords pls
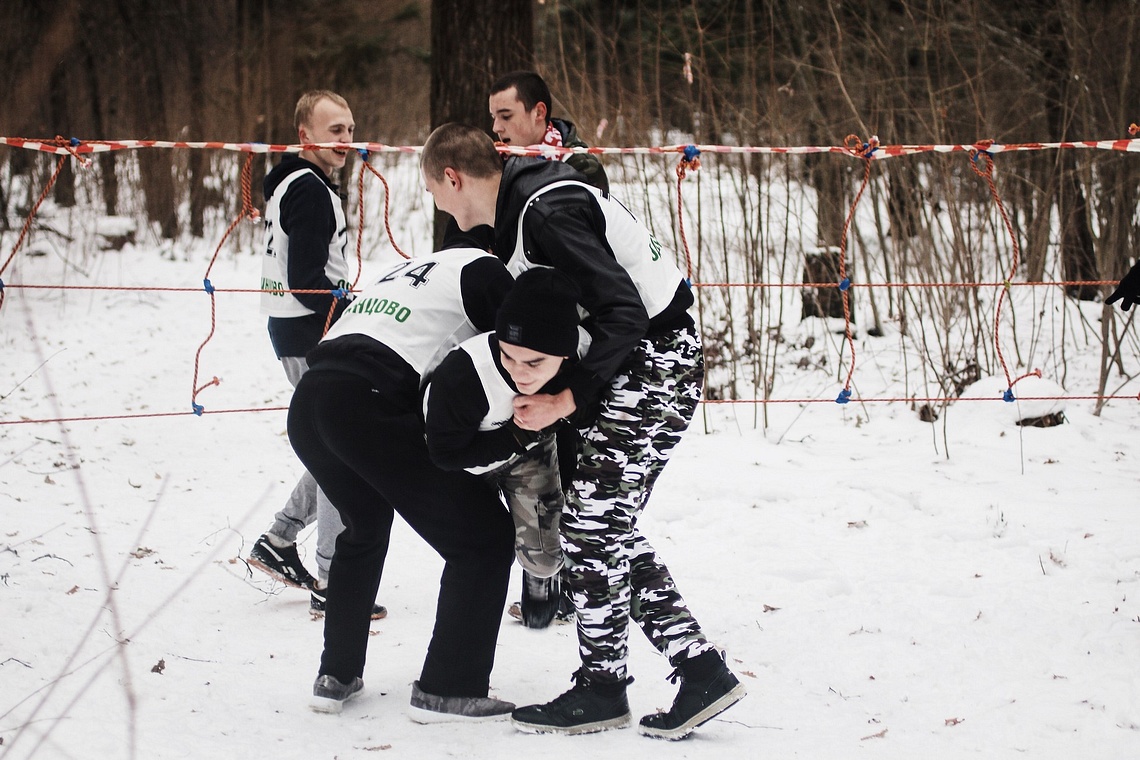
(885, 587)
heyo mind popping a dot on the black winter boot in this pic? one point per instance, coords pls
(708, 688)
(587, 708)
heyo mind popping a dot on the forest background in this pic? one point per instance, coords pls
(757, 73)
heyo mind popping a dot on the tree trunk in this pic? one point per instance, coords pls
(197, 160)
(1078, 254)
(472, 43)
(64, 189)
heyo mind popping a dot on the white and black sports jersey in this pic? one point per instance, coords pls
(639, 253)
(275, 258)
(416, 309)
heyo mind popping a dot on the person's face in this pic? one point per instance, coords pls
(513, 124)
(530, 370)
(329, 123)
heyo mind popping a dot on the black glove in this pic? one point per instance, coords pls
(1128, 291)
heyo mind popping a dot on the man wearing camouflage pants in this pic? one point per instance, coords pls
(644, 369)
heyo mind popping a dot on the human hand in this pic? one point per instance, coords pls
(542, 410)
(1128, 291)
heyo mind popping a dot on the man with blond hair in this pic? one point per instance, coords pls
(305, 240)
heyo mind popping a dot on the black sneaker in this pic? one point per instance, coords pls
(317, 603)
(330, 694)
(430, 708)
(282, 564)
(587, 708)
(699, 700)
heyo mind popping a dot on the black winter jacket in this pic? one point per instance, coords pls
(568, 232)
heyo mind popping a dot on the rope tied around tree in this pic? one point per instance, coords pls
(247, 212)
(863, 149)
(982, 162)
(690, 161)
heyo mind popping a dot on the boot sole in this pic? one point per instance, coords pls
(430, 717)
(274, 574)
(329, 706)
(704, 716)
(584, 728)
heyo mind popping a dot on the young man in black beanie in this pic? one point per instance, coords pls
(644, 369)
(469, 406)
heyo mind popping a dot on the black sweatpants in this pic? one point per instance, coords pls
(366, 449)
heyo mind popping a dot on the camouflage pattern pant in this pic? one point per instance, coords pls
(529, 484)
(613, 573)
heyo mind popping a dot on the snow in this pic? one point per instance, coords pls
(884, 587)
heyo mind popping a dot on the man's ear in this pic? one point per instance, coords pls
(540, 112)
(453, 177)
(302, 136)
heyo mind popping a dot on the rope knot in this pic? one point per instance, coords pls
(844, 396)
(860, 148)
(208, 286)
(845, 284)
(363, 153)
(690, 159)
(198, 409)
(1008, 397)
(338, 293)
(72, 144)
(980, 157)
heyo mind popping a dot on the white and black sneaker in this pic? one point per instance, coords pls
(281, 563)
(330, 694)
(317, 601)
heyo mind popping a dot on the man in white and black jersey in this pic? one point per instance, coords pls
(305, 239)
(521, 106)
(356, 423)
(643, 371)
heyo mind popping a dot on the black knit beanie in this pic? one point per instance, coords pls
(541, 313)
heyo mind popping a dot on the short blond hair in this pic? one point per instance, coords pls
(308, 103)
(462, 148)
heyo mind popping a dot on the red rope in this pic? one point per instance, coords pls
(247, 211)
(359, 226)
(686, 164)
(800, 285)
(942, 400)
(988, 175)
(387, 223)
(863, 150)
(150, 415)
